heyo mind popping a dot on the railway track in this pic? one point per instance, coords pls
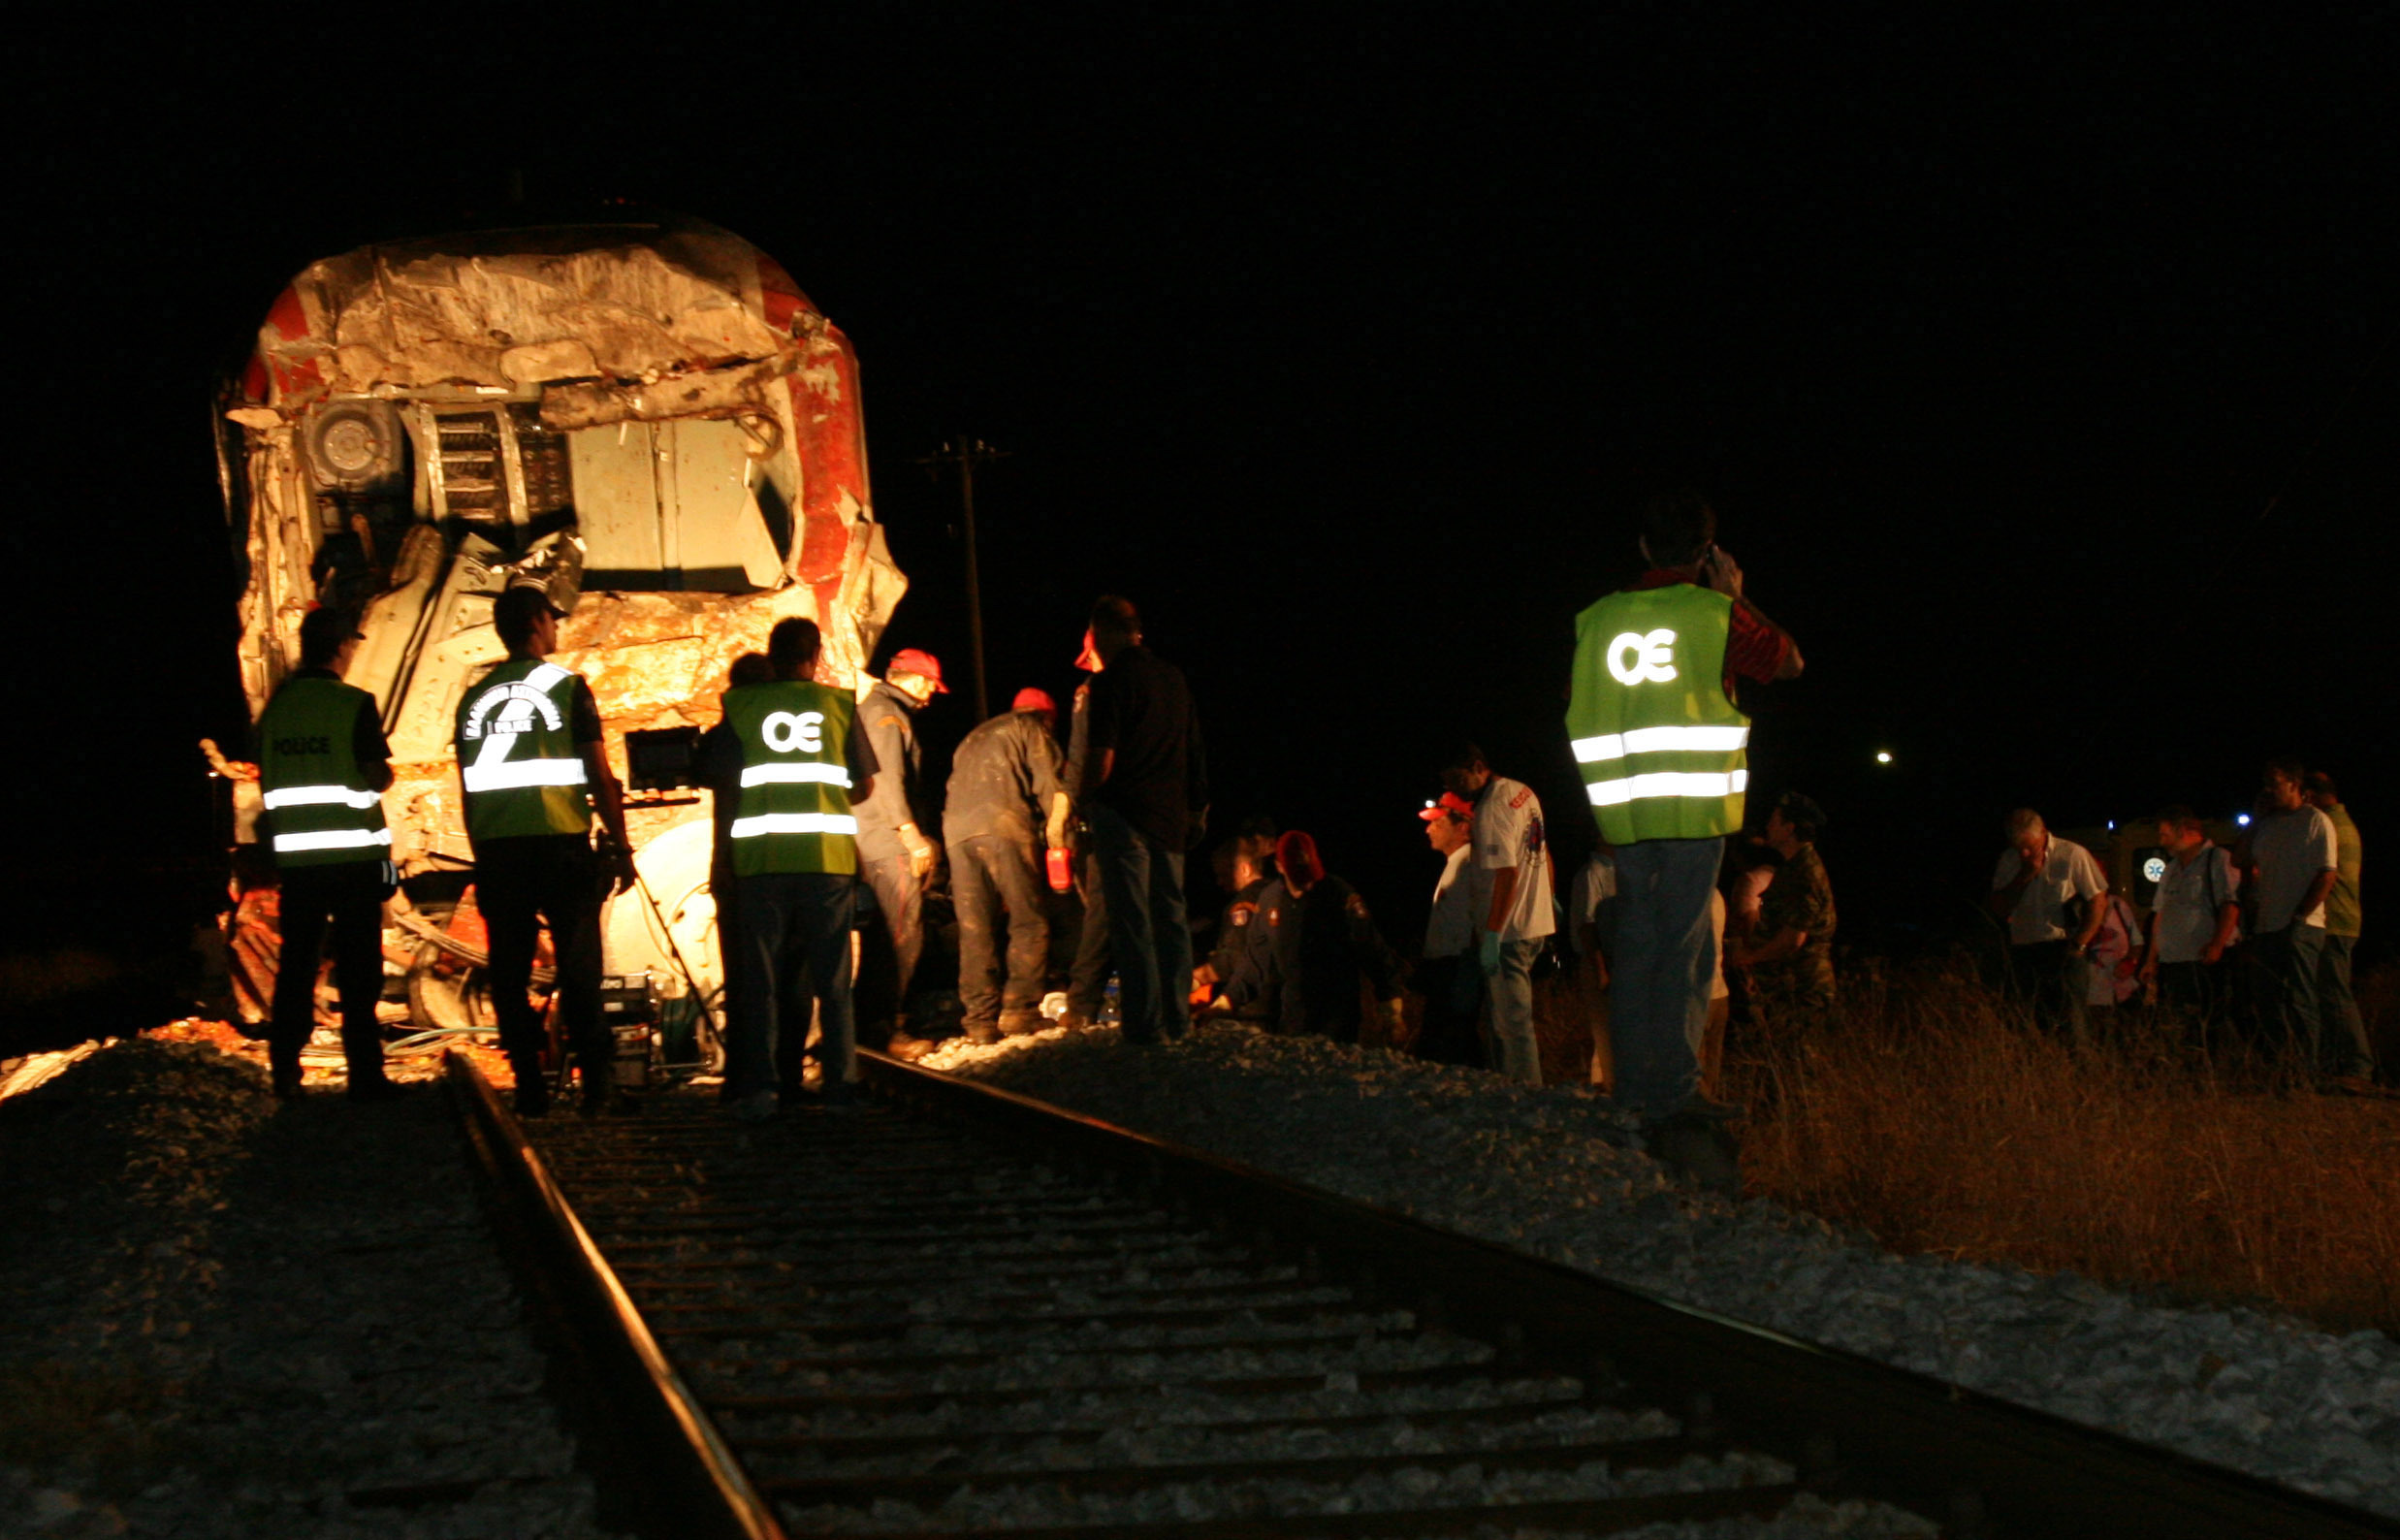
(952, 1310)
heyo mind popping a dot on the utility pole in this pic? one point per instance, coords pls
(966, 454)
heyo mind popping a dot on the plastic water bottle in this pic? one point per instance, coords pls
(1110, 1013)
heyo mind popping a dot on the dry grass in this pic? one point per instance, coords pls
(1936, 1119)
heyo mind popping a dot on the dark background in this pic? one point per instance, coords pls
(2042, 374)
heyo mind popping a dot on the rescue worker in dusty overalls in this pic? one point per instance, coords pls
(801, 764)
(531, 759)
(323, 765)
(895, 855)
(1004, 788)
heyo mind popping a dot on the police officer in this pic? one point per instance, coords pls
(896, 854)
(1660, 741)
(323, 768)
(801, 763)
(530, 755)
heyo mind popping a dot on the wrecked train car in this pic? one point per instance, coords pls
(652, 420)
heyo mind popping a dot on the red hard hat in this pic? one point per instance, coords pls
(916, 661)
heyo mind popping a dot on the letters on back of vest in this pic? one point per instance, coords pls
(517, 752)
(794, 814)
(320, 810)
(1661, 747)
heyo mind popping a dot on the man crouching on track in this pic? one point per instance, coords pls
(801, 765)
(530, 757)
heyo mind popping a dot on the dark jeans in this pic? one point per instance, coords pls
(1087, 987)
(1144, 883)
(1453, 994)
(520, 885)
(2050, 980)
(349, 894)
(2195, 994)
(888, 953)
(2288, 961)
(2346, 1048)
(1666, 954)
(794, 947)
(995, 884)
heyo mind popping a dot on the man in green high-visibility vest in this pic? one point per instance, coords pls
(323, 766)
(798, 762)
(531, 759)
(1660, 742)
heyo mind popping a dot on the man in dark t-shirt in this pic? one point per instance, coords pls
(1145, 794)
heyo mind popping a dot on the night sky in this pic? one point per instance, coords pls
(1346, 344)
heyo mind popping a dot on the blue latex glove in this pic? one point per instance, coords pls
(1487, 951)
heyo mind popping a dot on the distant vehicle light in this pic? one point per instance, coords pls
(1883, 757)
(2242, 818)
(2154, 870)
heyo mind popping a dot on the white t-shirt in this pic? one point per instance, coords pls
(2067, 872)
(2290, 849)
(2188, 899)
(1509, 832)
(1457, 911)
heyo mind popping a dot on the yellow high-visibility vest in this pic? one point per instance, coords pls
(1661, 747)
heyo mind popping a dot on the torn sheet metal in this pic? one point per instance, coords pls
(653, 414)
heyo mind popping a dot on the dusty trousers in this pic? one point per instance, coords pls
(994, 883)
(345, 897)
(890, 952)
(520, 885)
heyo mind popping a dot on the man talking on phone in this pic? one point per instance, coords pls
(1661, 743)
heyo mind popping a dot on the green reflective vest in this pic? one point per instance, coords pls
(320, 808)
(794, 814)
(1659, 744)
(517, 752)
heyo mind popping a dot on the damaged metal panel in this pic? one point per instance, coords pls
(651, 419)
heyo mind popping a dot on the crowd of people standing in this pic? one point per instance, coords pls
(1066, 865)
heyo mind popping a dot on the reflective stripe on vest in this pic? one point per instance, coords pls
(522, 770)
(794, 813)
(1661, 747)
(320, 809)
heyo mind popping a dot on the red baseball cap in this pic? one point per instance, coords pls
(916, 661)
(1032, 699)
(1451, 802)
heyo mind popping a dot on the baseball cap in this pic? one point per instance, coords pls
(916, 661)
(1030, 700)
(1451, 802)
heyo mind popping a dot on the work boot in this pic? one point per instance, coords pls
(1073, 1020)
(285, 1083)
(1698, 1149)
(1020, 1023)
(906, 1049)
(983, 1034)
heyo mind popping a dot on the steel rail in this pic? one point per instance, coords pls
(693, 1487)
(1984, 1465)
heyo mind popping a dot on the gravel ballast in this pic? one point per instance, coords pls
(1546, 1170)
(220, 1316)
